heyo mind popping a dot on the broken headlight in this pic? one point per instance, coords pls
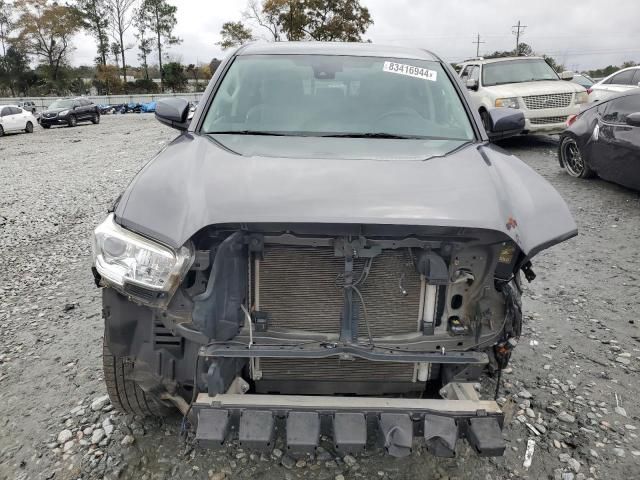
(123, 257)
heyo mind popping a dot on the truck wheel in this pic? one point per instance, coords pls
(124, 393)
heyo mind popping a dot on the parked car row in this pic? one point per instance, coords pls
(599, 127)
(68, 111)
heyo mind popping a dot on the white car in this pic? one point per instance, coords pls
(528, 84)
(621, 81)
(15, 119)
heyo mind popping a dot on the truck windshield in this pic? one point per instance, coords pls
(517, 71)
(345, 96)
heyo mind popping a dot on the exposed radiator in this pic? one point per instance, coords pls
(334, 369)
(300, 288)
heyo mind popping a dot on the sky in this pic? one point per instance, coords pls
(581, 34)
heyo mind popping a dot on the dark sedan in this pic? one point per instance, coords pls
(70, 111)
(604, 140)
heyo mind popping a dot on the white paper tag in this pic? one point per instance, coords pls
(410, 71)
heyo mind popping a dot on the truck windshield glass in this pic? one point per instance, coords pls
(323, 95)
(517, 71)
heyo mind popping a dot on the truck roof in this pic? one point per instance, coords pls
(335, 48)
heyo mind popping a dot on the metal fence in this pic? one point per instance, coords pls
(44, 102)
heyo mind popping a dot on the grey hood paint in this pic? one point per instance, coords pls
(197, 181)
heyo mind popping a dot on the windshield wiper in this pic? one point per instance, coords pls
(250, 132)
(372, 135)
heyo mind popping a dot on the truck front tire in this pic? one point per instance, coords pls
(125, 394)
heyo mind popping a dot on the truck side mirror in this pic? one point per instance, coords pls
(505, 122)
(472, 84)
(173, 112)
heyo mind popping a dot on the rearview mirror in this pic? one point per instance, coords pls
(472, 84)
(633, 119)
(504, 122)
(567, 75)
(173, 112)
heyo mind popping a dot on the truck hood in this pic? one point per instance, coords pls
(525, 89)
(199, 180)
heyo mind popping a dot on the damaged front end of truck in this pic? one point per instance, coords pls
(331, 247)
(342, 330)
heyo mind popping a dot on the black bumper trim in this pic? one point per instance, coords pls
(345, 351)
(440, 422)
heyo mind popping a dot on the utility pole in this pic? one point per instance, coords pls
(518, 28)
(478, 42)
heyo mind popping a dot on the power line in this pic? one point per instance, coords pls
(478, 42)
(517, 33)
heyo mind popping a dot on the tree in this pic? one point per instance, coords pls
(115, 51)
(144, 85)
(194, 70)
(96, 21)
(13, 69)
(336, 20)
(46, 32)
(523, 48)
(213, 65)
(174, 76)
(558, 67)
(107, 79)
(78, 87)
(7, 25)
(145, 44)
(269, 19)
(120, 18)
(161, 19)
(234, 34)
(322, 20)
(609, 69)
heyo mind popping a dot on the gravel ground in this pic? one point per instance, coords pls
(572, 386)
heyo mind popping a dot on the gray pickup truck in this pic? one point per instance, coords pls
(331, 246)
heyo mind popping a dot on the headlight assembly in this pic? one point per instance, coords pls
(510, 102)
(582, 97)
(63, 113)
(122, 257)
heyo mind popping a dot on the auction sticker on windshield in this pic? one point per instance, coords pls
(410, 71)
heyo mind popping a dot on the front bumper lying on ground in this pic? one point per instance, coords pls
(352, 422)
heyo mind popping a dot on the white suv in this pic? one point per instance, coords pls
(528, 84)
